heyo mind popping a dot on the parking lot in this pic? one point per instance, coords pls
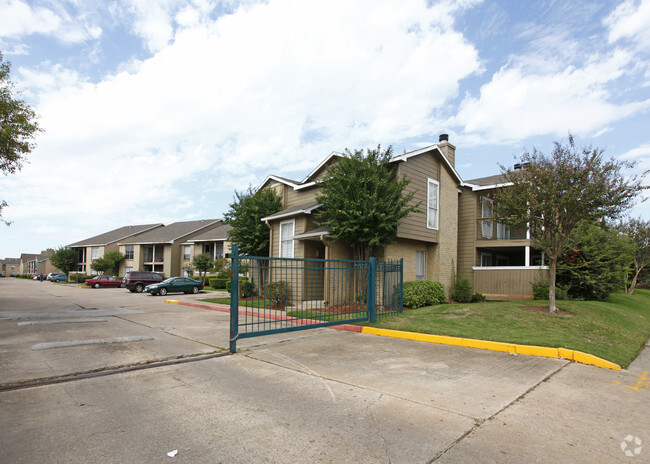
(105, 375)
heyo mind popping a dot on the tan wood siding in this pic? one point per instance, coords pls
(418, 170)
(467, 211)
(301, 197)
(513, 283)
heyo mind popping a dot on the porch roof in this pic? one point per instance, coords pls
(318, 232)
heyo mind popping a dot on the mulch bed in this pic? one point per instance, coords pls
(544, 310)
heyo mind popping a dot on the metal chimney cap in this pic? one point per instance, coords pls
(443, 138)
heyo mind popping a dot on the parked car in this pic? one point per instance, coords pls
(175, 284)
(136, 281)
(58, 278)
(49, 276)
(104, 281)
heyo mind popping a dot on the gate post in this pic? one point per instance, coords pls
(234, 299)
(371, 303)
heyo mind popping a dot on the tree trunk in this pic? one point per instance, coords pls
(552, 266)
(630, 289)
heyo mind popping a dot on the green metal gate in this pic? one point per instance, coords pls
(275, 295)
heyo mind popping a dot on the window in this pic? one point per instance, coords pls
(286, 239)
(486, 259)
(432, 204)
(128, 252)
(486, 212)
(420, 265)
(186, 253)
(218, 250)
(94, 253)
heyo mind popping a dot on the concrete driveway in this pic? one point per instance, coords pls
(314, 396)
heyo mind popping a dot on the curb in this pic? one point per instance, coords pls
(512, 348)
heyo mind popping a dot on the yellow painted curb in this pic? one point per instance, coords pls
(84, 286)
(513, 348)
(171, 301)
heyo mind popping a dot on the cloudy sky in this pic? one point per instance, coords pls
(158, 110)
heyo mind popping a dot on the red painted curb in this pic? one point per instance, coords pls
(224, 309)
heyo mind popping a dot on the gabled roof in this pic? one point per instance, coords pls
(322, 164)
(115, 235)
(405, 157)
(12, 260)
(305, 208)
(170, 233)
(213, 235)
(318, 232)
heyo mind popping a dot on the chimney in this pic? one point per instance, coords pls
(447, 149)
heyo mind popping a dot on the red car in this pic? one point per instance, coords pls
(104, 281)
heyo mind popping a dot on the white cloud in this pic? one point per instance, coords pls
(521, 101)
(630, 20)
(18, 18)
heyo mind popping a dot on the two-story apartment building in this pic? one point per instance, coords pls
(162, 249)
(454, 234)
(213, 242)
(95, 247)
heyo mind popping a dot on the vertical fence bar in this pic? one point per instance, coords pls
(371, 304)
(234, 299)
(400, 308)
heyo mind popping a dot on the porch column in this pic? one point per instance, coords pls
(527, 259)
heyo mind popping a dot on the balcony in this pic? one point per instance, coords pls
(489, 229)
(153, 255)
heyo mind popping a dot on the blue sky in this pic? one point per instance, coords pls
(158, 110)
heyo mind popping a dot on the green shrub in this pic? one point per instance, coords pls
(277, 292)
(217, 282)
(419, 293)
(461, 291)
(246, 288)
(478, 298)
(541, 289)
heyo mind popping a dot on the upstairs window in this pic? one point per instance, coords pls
(128, 252)
(186, 253)
(432, 204)
(94, 253)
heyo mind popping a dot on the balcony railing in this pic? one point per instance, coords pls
(489, 229)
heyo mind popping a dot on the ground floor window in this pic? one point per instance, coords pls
(420, 265)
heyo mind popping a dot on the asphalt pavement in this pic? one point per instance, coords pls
(104, 375)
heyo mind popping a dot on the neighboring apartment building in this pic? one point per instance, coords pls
(452, 235)
(95, 247)
(213, 242)
(10, 267)
(161, 249)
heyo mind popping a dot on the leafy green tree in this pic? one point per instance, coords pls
(114, 260)
(202, 263)
(18, 127)
(248, 232)
(596, 262)
(65, 259)
(100, 265)
(639, 233)
(362, 201)
(553, 194)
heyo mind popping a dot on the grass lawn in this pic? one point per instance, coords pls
(615, 330)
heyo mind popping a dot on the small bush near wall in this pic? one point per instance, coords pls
(277, 292)
(216, 282)
(419, 293)
(541, 289)
(247, 288)
(461, 291)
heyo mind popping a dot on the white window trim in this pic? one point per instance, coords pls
(437, 218)
(293, 232)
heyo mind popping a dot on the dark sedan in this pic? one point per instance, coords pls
(174, 284)
(104, 281)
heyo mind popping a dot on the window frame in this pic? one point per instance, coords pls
(420, 264)
(282, 242)
(436, 215)
(129, 252)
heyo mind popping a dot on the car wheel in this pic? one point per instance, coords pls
(96, 285)
(195, 289)
(138, 288)
(163, 291)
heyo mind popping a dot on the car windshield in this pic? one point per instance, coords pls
(170, 280)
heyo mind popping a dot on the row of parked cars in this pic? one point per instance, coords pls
(150, 282)
(52, 277)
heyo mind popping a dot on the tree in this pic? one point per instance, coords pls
(553, 194)
(248, 232)
(64, 258)
(202, 263)
(639, 233)
(100, 265)
(114, 260)
(362, 201)
(18, 128)
(596, 262)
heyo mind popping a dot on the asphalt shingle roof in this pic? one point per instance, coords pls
(115, 235)
(171, 232)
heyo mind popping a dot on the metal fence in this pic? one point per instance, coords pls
(274, 295)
